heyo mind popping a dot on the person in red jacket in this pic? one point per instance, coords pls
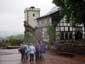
(37, 47)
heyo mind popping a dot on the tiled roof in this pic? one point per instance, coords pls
(53, 10)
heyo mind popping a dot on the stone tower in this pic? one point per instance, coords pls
(30, 16)
(30, 23)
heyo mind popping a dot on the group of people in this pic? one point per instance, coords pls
(32, 52)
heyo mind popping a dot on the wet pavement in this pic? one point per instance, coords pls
(59, 59)
(12, 56)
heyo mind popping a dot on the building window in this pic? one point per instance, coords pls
(62, 35)
(66, 35)
(33, 14)
(70, 35)
(78, 35)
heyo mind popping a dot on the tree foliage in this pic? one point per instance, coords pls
(51, 32)
(12, 40)
(15, 37)
(73, 10)
(28, 38)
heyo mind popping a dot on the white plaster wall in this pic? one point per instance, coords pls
(43, 23)
(31, 20)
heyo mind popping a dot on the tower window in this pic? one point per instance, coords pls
(33, 14)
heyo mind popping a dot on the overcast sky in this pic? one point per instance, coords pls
(12, 13)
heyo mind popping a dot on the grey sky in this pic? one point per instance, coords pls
(12, 12)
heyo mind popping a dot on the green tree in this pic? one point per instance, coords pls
(51, 32)
(28, 38)
(5, 44)
(13, 40)
(73, 10)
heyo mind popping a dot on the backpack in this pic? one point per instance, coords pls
(22, 50)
